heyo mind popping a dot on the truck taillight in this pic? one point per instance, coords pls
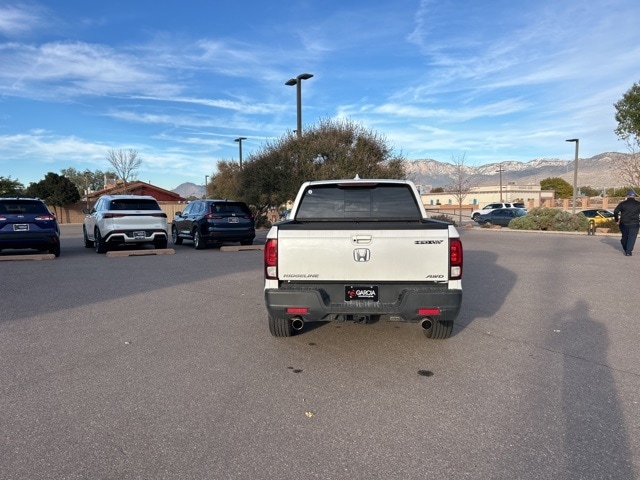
(271, 259)
(455, 259)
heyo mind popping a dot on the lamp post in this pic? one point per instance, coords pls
(298, 82)
(206, 183)
(575, 172)
(239, 140)
(86, 189)
(500, 170)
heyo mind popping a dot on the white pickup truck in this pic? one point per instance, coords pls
(362, 250)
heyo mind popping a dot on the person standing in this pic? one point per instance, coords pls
(627, 215)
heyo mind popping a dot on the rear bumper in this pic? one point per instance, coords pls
(222, 236)
(129, 236)
(320, 307)
(28, 240)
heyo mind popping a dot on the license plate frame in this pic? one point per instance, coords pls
(20, 227)
(361, 292)
(233, 220)
(139, 235)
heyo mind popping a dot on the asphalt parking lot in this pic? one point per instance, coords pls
(162, 366)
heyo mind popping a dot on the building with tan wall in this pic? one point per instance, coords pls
(531, 195)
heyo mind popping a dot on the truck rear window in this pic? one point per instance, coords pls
(370, 202)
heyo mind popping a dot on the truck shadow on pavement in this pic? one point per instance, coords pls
(491, 285)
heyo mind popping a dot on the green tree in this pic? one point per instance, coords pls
(86, 180)
(226, 182)
(628, 117)
(329, 150)
(589, 191)
(562, 188)
(628, 130)
(10, 188)
(618, 192)
(55, 190)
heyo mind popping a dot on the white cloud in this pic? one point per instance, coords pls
(18, 20)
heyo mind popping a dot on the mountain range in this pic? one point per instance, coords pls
(597, 172)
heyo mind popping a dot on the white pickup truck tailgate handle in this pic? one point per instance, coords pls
(361, 239)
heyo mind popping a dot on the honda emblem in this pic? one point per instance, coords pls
(361, 254)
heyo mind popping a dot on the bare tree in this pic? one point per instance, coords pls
(462, 183)
(629, 168)
(125, 163)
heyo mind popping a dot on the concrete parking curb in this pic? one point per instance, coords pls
(40, 256)
(236, 248)
(136, 253)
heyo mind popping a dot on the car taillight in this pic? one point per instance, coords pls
(159, 215)
(271, 259)
(45, 217)
(211, 216)
(455, 259)
(113, 215)
(297, 310)
(2, 218)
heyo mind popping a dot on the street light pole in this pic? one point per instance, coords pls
(206, 183)
(239, 140)
(298, 83)
(500, 170)
(575, 173)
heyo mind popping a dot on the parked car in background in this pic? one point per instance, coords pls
(598, 216)
(493, 206)
(125, 220)
(214, 221)
(500, 216)
(28, 223)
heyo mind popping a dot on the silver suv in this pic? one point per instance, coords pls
(493, 206)
(124, 220)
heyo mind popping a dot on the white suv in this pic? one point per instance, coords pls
(492, 206)
(124, 220)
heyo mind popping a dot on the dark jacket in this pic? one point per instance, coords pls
(628, 211)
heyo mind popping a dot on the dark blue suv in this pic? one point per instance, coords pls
(28, 223)
(215, 222)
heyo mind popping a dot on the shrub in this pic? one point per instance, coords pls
(544, 218)
(611, 225)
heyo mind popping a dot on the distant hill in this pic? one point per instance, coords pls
(189, 189)
(596, 172)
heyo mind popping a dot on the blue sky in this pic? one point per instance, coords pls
(179, 81)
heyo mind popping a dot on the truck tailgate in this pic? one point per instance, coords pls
(363, 255)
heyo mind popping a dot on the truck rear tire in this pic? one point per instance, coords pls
(280, 327)
(439, 330)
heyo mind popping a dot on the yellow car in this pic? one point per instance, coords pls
(598, 216)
